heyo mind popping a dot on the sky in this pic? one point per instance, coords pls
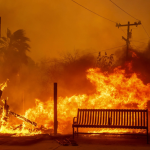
(59, 26)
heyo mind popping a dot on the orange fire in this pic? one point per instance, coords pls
(114, 90)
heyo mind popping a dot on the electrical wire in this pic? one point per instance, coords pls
(93, 12)
(107, 49)
(124, 10)
(144, 39)
(139, 48)
(145, 31)
(122, 30)
(138, 41)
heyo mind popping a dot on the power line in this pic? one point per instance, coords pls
(143, 39)
(145, 31)
(93, 12)
(124, 10)
(139, 41)
(139, 48)
(108, 49)
(122, 30)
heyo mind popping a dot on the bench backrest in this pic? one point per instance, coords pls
(128, 118)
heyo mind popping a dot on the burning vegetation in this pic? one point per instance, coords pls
(81, 84)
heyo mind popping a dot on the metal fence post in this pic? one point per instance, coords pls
(55, 108)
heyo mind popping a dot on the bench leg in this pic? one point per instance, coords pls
(73, 132)
(147, 135)
(77, 131)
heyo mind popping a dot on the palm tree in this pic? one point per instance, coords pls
(13, 50)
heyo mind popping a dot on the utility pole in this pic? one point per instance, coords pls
(128, 33)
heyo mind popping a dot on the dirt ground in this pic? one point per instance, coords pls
(85, 142)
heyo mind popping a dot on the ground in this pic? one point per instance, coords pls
(85, 142)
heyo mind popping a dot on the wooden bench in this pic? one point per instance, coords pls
(111, 118)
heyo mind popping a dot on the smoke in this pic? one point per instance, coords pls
(35, 80)
(137, 62)
(69, 72)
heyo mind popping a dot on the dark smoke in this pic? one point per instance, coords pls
(139, 62)
(70, 74)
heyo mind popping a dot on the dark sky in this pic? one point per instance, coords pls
(57, 26)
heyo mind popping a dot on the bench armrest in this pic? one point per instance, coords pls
(74, 120)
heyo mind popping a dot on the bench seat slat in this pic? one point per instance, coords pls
(100, 117)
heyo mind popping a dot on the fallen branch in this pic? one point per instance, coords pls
(21, 117)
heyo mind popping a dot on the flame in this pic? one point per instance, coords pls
(3, 85)
(113, 90)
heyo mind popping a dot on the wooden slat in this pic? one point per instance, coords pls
(90, 112)
(92, 117)
(124, 118)
(135, 118)
(132, 118)
(106, 121)
(100, 117)
(116, 117)
(147, 119)
(78, 117)
(138, 119)
(95, 118)
(119, 117)
(81, 117)
(144, 118)
(110, 117)
(113, 117)
(85, 117)
(141, 119)
(95, 115)
(103, 117)
(127, 118)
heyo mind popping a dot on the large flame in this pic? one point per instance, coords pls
(114, 90)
